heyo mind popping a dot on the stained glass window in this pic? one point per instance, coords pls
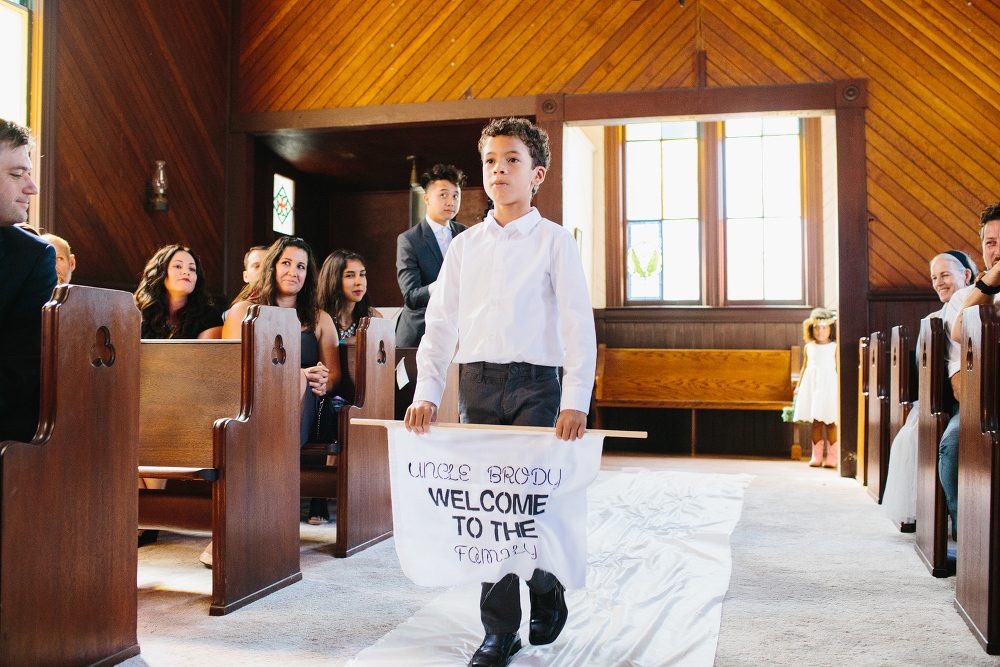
(283, 205)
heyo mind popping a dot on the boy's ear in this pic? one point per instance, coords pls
(539, 176)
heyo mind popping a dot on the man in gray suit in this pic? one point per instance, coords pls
(27, 276)
(420, 251)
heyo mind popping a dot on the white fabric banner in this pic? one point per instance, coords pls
(471, 505)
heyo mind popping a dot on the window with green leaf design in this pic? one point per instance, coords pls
(713, 212)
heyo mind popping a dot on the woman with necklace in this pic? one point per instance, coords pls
(343, 292)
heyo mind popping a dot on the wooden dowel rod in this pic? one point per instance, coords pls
(494, 427)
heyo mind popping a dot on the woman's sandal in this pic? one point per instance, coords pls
(319, 513)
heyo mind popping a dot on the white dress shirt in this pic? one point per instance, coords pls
(953, 349)
(442, 233)
(511, 294)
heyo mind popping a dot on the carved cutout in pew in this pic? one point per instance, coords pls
(977, 588)
(358, 476)
(227, 411)
(878, 414)
(863, 366)
(901, 390)
(935, 401)
(67, 511)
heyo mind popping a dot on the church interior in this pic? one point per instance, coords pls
(890, 110)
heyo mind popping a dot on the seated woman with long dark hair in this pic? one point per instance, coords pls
(288, 280)
(172, 297)
(174, 304)
(343, 292)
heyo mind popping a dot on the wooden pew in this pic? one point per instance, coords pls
(220, 420)
(448, 410)
(68, 498)
(977, 586)
(358, 474)
(694, 379)
(902, 390)
(935, 411)
(863, 365)
(878, 414)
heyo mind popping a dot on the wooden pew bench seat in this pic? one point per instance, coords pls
(701, 379)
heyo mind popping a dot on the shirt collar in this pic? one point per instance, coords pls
(523, 225)
(435, 227)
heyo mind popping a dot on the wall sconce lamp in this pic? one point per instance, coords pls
(156, 190)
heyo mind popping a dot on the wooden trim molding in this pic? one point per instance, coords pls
(43, 108)
(614, 232)
(703, 314)
(812, 182)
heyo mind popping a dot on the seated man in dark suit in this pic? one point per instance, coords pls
(420, 251)
(27, 276)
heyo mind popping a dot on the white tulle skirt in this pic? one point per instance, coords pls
(899, 500)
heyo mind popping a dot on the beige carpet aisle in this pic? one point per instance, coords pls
(819, 578)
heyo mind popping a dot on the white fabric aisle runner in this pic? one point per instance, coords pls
(658, 569)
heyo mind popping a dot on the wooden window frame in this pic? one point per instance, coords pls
(711, 149)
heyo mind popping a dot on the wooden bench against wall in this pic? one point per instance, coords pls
(935, 402)
(220, 420)
(694, 379)
(68, 498)
(358, 474)
(977, 586)
(878, 442)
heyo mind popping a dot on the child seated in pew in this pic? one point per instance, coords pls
(173, 303)
(288, 279)
(343, 292)
(818, 389)
(950, 271)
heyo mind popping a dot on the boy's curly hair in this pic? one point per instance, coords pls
(534, 137)
(989, 214)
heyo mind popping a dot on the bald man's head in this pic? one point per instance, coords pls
(65, 261)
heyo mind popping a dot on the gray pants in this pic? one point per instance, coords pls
(517, 394)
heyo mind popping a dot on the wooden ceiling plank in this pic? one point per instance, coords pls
(922, 150)
(896, 256)
(723, 61)
(470, 55)
(663, 69)
(719, 39)
(783, 52)
(888, 263)
(637, 13)
(424, 68)
(892, 204)
(604, 29)
(300, 53)
(655, 41)
(371, 35)
(411, 33)
(525, 61)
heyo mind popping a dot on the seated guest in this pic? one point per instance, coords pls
(27, 276)
(172, 297)
(288, 280)
(343, 292)
(251, 266)
(985, 291)
(420, 250)
(174, 304)
(950, 272)
(65, 260)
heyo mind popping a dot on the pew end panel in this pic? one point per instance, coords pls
(67, 512)
(901, 391)
(977, 586)
(931, 540)
(256, 504)
(878, 414)
(358, 476)
(233, 465)
(863, 366)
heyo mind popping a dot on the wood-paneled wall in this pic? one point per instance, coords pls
(933, 71)
(137, 82)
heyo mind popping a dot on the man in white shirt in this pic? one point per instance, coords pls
(420, 251)
(513, 297)
(985, 291)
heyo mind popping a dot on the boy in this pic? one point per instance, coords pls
(420, 251)
(513, 296)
